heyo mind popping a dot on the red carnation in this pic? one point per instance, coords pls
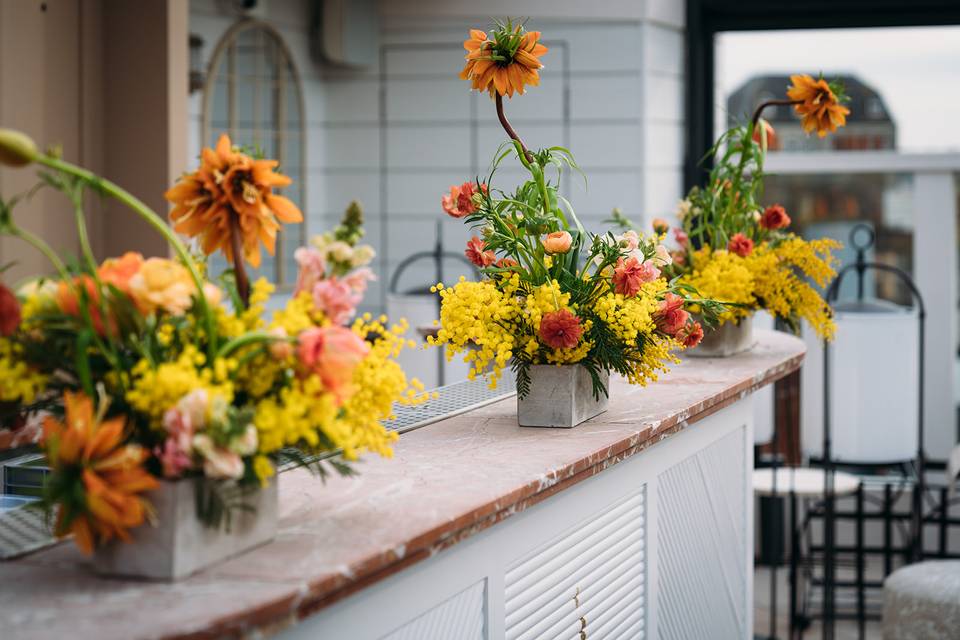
(9, 311)
(478, 254)
(560, 329)
(690, 334)
(671, 317)
(775, 217)
(740, 245)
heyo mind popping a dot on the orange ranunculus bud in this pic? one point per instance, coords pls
(660, 225)
(557, 242)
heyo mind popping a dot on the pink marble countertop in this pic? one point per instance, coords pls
(334, 539)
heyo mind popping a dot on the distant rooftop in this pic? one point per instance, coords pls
(866, 104)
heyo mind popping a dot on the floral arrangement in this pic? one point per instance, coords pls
(732, 249)
(551, 292)
(333, 270)
(144, 372)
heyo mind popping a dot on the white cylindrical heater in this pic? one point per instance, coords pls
(874, 394)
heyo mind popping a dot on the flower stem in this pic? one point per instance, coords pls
(770, 103)
(528, 156)
(147, 214)
(239, 271)
(37, 243)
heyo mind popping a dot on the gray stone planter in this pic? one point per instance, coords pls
(181, 544)
(726, 340)
(560, 396)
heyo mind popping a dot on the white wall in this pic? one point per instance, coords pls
(615, 68)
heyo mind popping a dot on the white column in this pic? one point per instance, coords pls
(935, 270)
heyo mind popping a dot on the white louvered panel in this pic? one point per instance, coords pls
(701, 532)
(590, 579)
(461, 617)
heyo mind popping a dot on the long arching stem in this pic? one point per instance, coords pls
(770, 103)
(150, 217)
(509, 128)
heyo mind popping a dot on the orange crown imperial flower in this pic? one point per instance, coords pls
(100, 479)
(230, 187)
(504, 63)
(819, 104)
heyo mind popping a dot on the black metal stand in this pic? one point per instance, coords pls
(915, 546)
(437, 255)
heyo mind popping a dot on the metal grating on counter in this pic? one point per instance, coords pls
(23, 529)
(454, 399)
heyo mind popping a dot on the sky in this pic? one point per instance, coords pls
(915, 69)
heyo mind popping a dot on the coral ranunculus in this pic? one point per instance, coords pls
(164, 285)
(560, 329)
(660, 225)
(9, 311)
(478, 254)
(119, 271)
(690, 334)
(671, 317)
(740, 245)
(229, 188)
(332, 353)
(774, 217)
(504, 64)
(818, 105)
(557, 242)
(459, 202)
(109, 475)
(630, 274)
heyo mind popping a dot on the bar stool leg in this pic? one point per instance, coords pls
(794, 560)
(861, 605)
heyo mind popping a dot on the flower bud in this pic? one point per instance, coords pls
(16, 148)
(557, 242)
(660, 225)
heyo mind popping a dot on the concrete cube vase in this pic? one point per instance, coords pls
(726, 340)
(560, 396)
(180, 543)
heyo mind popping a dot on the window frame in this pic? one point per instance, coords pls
(226, 48)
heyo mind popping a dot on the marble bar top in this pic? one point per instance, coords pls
(446, 482)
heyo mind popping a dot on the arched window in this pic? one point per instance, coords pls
(253, 93)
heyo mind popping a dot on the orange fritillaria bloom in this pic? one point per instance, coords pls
(110, 474)
(505, 64)
(231, 186)
(820, 109)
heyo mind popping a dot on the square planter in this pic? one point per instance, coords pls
(180, 543)
(726, 340)
(560, 396)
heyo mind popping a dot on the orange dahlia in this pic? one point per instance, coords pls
(505, 63)
(97, 480)
(818, 103)
(231, 189)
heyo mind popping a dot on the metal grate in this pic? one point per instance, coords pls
(453, 400)
(23, 529)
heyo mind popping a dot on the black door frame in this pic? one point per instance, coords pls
(706, 18)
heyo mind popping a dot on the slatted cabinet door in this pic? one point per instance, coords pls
(587, 583)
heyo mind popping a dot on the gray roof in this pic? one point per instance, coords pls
(866, 104)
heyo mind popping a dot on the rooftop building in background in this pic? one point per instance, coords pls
(869, 125)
